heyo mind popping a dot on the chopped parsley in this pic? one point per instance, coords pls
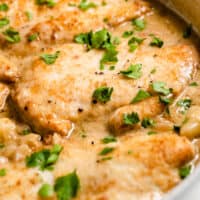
(141, 95)
(11, 35)
(102, 94)
(66, 187)
(85, 5)
(106, 151)
(4, 7)
(134, 42)
(157, 42)
(26, 131)
(49, 3)
(139, 24)
(187, 32)
(193, 84)
(131, 119)
(134, 71)
(165, 100)
(29, 15)
(44, 159)
(109, 139)
(184, 171)
(127, 34)
(50, 58)
(100, 40)
(2, 172)
(46, 190)
(32, 37)
(4, 22)
(2, 145)
(110, 55)
(147, 122)
(160, 87)
(184, 103)
(151, 133)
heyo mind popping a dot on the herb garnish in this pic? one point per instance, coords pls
(106, 151)
(66, 187)
(184, 171)
(139, 24)
(141, 95)
(44, 159)
(2, 172)
(50, 58)
(49, 3)
(46, 190)
(102, 94)
(109, 139)
(131, 119)
(157, 42)
(160, 87)
(134, 71)
(85, 5)
(184, 103)
(4, 7)
(4, 21)
(147, 122)
(11, 35)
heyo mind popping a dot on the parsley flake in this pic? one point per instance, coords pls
(102, 94)
(85, 5)
(44, 159)
(131, 119)
(127, 34)
(157, 42)
(139, 24)
(46, 190)
(160, 87)
(141, 95)
(66, 187)
(134, 71)
(50, 58)
(109, 139)
(4, 21)
(4, 7)
(184, 103)
(2, 172)
(106, 151)
(11, 35)
(184, 171)
(49, 3)
(147, 122)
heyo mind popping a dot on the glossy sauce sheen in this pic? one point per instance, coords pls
(55, 101)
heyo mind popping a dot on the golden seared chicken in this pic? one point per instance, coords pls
(99, 100)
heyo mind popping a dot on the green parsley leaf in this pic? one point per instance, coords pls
(50, 58)
(141, 95)
(134, 71)
(160, 87)
(2, 145)
(187, 32)
(45, 159)
(102, 94)
(29, 15)
(66, 187)
(184, 171)
(193, 84)
(165, 100)
(151, 133)
(139, 24)
(2, 172)
(46, 191)
(147, 122)
(184, 103)
(4, 7)
(84, 5)
(49, 3)
(157, 42)
(127, 34)
(131, 119)
(32, 37)
(26, 131)
(12, 35)
(134, 42)
(110, 55)
(106, 151)
(4, 21)
(109, 139)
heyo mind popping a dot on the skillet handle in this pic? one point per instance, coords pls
(189, 10)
